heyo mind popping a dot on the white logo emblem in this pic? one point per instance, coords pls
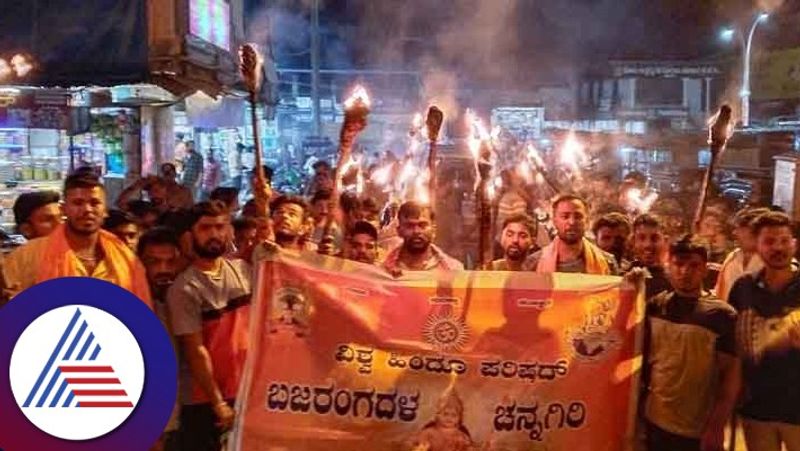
(77, 372)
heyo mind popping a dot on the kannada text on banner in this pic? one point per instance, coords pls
(344, 357)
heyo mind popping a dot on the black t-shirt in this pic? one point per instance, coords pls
(655, 282)
(771, 376)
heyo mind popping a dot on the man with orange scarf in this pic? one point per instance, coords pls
(78, 248)
(571, 252)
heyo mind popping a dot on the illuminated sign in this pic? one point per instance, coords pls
(210, 20)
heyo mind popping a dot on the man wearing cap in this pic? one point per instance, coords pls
(37, 214)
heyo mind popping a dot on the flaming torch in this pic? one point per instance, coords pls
(251, 69)
(356, 110)
(543, 175)
(573, 155)
(637, 201)
(434, 124)
(719, 132)
(479, 141)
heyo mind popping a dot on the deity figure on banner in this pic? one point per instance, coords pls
(446, 432)
(290, 312)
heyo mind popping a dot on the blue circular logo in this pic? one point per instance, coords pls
(90, 367)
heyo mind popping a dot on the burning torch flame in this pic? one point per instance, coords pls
(381, 175)
(417, 121)
(477, 134)
(639, 202)
(533, 155)
(572, 152)
(5, 69)
(493, 188)
(19, 66)
(421, 194)
(359, 183)
(525, 171)
(408, 171)
(359, 95)
(346, 168)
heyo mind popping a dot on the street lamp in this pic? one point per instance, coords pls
(727, 34)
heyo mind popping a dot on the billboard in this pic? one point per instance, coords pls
(210, 20)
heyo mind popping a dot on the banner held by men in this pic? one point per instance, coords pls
(344, 357)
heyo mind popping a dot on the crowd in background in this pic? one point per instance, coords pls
(722, 336)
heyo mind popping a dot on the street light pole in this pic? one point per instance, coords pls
(746, 75)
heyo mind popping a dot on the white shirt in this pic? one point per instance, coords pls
(732, 269)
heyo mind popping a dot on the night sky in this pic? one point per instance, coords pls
(517, 42)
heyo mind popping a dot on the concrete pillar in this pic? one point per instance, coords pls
(157, 137)
(693, 96)
(132, 148)
(164, 136)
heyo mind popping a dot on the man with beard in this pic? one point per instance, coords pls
(768, 337)
(289, 215)
(611, 234)
(517, 240)
(362, 243)
(649, 246)
(571, 252)
(159, 251)
(691, 372)
(418, 253)
(78, 248)
(209, 309)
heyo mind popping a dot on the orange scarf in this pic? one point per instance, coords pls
(59, 260)
(596, 262)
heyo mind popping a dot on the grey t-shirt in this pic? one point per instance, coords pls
(196, 293)
(574, 266)
(215, 305)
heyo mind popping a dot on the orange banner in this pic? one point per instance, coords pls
(344, 357)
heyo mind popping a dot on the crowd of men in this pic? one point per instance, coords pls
(721, 340)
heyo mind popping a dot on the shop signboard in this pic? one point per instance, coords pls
(522, 122)
(784, 192)
(663, 69)
(210, 20)
(34, 110)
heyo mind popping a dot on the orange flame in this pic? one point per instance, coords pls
(381, 175)
(639, 202)
(408, 171)
(525, 171)
(346, 167)
(417, 121)
(572, 152)
(21, 65)
(5, 69)
(477, 134)
(359, 95)
(421, 194)
(533, 155)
